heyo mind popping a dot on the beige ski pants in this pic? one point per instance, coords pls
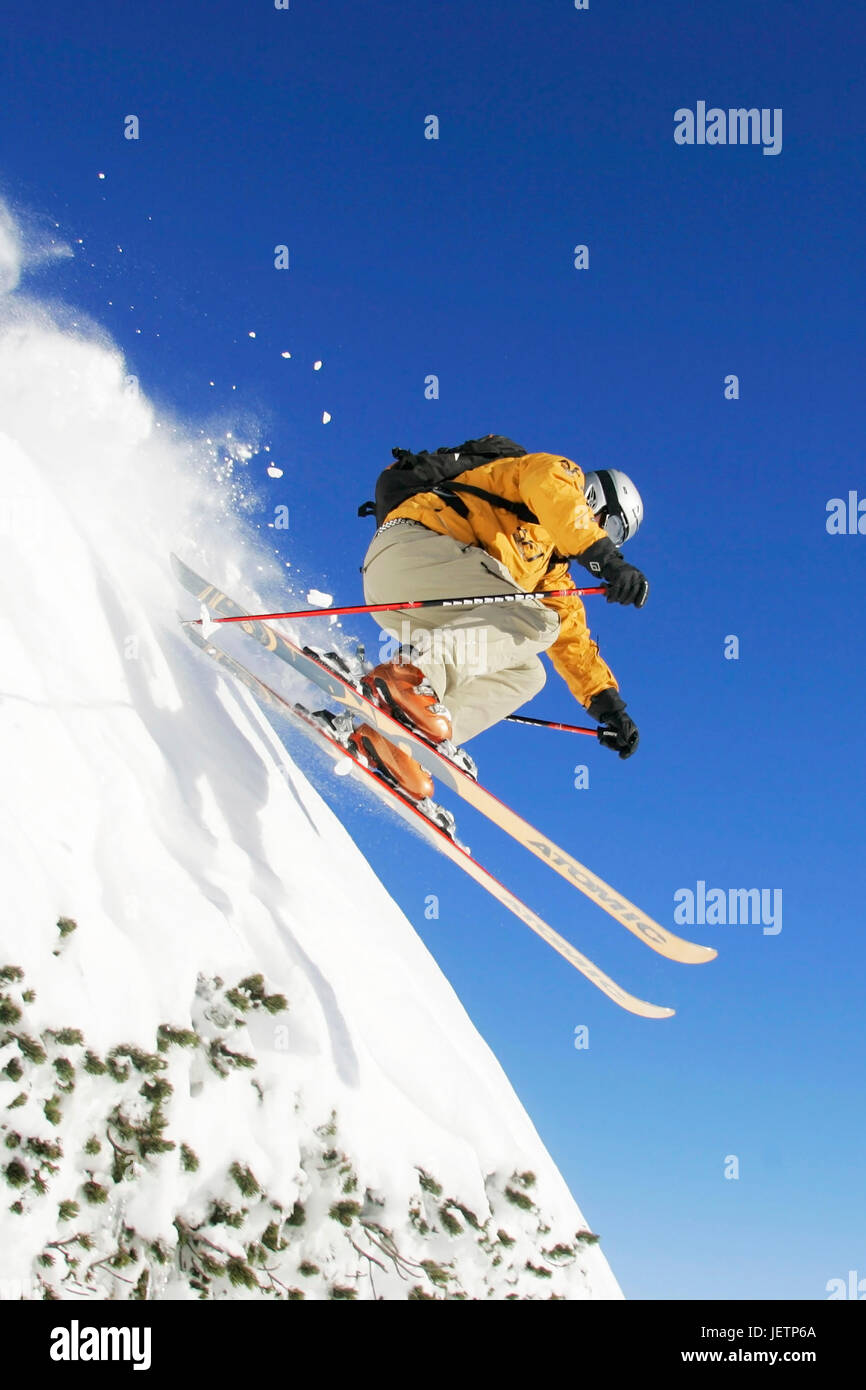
(481, 661)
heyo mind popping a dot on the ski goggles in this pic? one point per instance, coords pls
(613, 526)
(610, 515)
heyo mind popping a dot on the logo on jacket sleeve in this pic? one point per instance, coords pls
(571, 468)
(527, 545)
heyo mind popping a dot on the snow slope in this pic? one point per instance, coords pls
(362, 1142)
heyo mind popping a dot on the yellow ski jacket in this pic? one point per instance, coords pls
(536, 556)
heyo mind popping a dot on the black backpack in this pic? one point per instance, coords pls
(435, 472)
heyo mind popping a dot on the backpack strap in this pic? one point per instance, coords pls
(520, 509)
(448, 491)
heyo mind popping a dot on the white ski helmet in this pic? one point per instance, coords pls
(614, 495)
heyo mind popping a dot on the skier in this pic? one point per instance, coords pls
(513, 524)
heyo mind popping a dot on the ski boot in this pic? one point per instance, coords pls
(391, 764)
(404, 691)
(401, 771)
(398, 767)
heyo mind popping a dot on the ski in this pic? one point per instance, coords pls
(341, 688)
(303, 720)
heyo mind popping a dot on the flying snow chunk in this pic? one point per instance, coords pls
(316, 599)
(317, 366)
(342, 768)
(274, 472)
(100, 176)
(251, 335)
(285, 354)
(325, 417)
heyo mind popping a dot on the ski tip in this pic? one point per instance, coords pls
(649, 1010)
(686, 952)
(179, 567)
(697, 954)
(640, 1008)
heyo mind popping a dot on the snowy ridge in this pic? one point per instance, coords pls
(234, 1070)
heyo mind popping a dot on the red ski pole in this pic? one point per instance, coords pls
(517, 597)
(550, 724)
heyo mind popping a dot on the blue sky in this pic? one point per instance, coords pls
(408, 257)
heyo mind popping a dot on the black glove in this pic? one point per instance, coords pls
(625, 584)
(617, 731)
